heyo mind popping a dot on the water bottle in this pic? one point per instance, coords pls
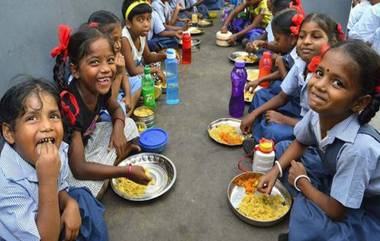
(264, 156)
(171, 69)
(238, 79)
(148, 89)
(194, 17)
(186, 48)
(265, 67)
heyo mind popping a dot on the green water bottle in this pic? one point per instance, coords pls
(148, 89)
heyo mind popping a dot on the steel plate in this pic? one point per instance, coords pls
(234, 195)
(160, 168)
(236, 54)
(229, 121)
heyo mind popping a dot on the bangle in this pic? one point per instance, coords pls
(297, 178)
(129, 170)
(279, 167)
(118, 118)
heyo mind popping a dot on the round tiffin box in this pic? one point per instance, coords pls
(222, 38)
(153, 140)
(145, 115)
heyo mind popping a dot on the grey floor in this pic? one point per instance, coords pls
(196, 208)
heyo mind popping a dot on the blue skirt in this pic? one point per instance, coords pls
(277, 132)
(94, 227)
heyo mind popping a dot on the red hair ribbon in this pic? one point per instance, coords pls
(297, 5)
(341, 34)
(64, 37)
(71, 116)
(297, 21)
(93, 25)
(313, 65)
(377, 89)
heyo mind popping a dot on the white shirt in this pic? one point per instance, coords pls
(136, 53)
(357, 12)
(365, 29)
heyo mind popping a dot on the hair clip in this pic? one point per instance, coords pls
(64, 32)
(297, 21)
(93, 25)
(297, 5)
(341, 34)
(313, 65)
(377, 89)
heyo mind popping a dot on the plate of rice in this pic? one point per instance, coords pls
(157, 166)
(226, 131)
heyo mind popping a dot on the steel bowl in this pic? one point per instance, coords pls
(234, 194)
(161, 169)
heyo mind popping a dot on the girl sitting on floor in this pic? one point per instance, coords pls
(342, 201)
(95, 147)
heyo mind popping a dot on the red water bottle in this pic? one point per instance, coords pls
(265, 67)
(186, 48)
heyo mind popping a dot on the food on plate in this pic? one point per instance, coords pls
(142, 111)
(194, 30)
(227, 134)
(253, 74)
(130, 188)
(247, 58)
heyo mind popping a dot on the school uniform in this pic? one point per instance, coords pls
(162, 9)
(19, 199)
(269, 31)
(350, 155)
(368, 26)
(156, 42)
(357, 12)
(293, 85)
(187, 5)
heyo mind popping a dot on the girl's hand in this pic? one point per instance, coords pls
(296, 169)
(251, 86)
(71, 220)
(48, 164)
(223, 29)
(274, 116)
(161, 76)
(138, 175)
(120, 63)
(232, 39)
(267, 181)
(128, 104)
(255, 45)
(246, 124)
(178, 34)
(118, 141)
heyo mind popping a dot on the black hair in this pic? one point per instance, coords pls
(79, 47)
(104, 20)
(283, 21)
(327, 24)
(12, 104)
(139, 9)
(368, 67)
(279, 5)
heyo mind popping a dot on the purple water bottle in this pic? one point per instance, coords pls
(238, 79)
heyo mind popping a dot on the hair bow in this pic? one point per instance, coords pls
(341, 34)
(377, 89)
(297, 5)
(71, 116)
(64, 32)
(297, 21)
(313, 65)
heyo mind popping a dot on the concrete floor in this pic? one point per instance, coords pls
(196, 208)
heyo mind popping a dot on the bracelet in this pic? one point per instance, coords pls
(129, 170)
(297, 178)
(279, 167)
(118, 118)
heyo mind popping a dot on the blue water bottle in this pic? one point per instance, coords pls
(171, 69)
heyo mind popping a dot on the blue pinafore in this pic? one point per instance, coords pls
(309, 222)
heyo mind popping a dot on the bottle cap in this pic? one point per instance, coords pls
(147, 69)
(265, 145)
(170, 53)
(239, 64)
(267, 54)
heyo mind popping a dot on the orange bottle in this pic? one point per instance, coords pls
(265, 67)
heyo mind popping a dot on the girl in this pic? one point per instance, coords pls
(108, 23)
(316, 31)
(258, 16)
(267, 39)
(35, 198)
(137, 16)
(342, 203)
(285, 41)
(94, 147)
